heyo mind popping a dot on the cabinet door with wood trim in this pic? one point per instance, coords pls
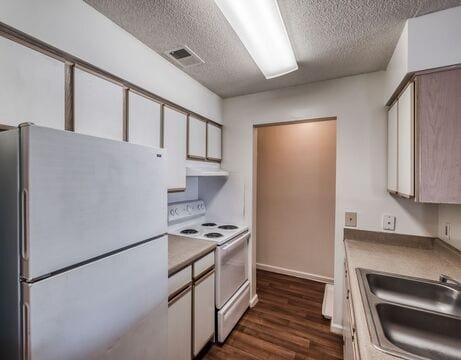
(392, 149)
(180, 327)
(196, 140)
(143, 120)
(98, 106)
(406, 156)
(32, 87)
(214, 142)
(438, 107)
(204, 311)
(174, 141)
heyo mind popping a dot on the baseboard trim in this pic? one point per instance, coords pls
(295, 273)
(336, 329)
(254, 300)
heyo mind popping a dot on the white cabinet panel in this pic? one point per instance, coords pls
(405, 167)
(143, 120)
(98, 106)
(197, 138)
(392, 133)
(174, 141)
(32, 87)
(204, 312)
(180, 328)
(106, 309)
(213, 142)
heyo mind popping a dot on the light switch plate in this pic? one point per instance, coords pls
(389, 222)
(351, 219)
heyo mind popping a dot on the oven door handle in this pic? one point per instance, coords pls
(236, 242)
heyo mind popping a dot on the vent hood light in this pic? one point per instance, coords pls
(260, 27)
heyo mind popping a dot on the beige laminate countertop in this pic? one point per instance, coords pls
(183, 251)
(410, 261)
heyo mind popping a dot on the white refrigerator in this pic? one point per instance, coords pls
(83, 247)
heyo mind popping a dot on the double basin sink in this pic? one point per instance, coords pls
(412, 318)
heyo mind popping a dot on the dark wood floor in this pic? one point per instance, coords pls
(286, 323)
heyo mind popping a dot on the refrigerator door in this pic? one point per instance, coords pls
(85, 196)
(113, 308)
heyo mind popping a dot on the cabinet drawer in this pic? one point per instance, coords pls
(179, 280)
(203, 264)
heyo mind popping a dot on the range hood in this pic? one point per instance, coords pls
(204, 171)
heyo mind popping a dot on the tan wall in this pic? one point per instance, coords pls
(296, 196)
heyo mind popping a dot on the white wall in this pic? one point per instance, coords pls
(75, 27)
(434, 40)
(426, 42)
(397, 67)
(190, 194)
(358, 103)
(451, 214)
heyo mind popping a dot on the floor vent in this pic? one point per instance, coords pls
(184, 56)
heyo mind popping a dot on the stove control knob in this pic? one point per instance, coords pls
(188, 208)
(176, 211)
(171, 212)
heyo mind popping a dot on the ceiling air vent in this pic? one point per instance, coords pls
(184, 56)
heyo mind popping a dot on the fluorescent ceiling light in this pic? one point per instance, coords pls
(260, 27)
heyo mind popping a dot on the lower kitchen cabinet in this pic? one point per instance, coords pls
(180, 326)
(351, 351)
(204, 311)
(191, 308)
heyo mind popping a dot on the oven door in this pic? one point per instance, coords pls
(231, 268)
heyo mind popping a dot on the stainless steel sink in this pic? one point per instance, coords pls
(412, 318)
(420, 293)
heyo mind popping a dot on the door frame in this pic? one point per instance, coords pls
(254, 211)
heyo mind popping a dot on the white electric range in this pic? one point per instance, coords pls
(232, 290)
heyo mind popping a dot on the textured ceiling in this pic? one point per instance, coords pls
(331, 38)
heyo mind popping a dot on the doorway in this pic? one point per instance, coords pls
(295, 198)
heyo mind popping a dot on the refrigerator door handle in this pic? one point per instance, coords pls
(25, 222)
(25, 331)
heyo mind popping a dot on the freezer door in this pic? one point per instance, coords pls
(85, 196)
(113, 308)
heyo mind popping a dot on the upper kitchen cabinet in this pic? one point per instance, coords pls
(196, 138)
(405, 142)
(214, 142)
(98, 106)
(438, 119)
(424, 139)
(32, 87)
(143, 120)
(174, 141)
(392, 153)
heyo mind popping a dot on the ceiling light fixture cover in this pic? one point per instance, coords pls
(260, 27)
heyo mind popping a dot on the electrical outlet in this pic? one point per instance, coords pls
(351, 219)
(389, 222)
(446, 232)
